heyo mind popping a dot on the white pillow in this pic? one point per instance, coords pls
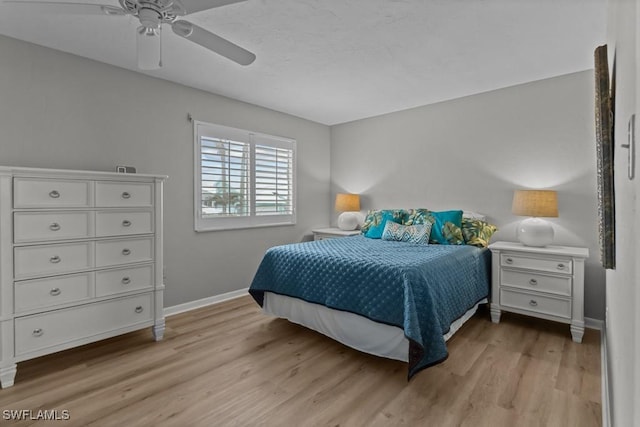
(474, 215)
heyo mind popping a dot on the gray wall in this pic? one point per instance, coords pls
(62, 111)
(472, 152)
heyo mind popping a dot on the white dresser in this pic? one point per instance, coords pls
(545, 282)
(81, 260)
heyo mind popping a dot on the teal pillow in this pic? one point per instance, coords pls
(375, 222)
(447, 228)
(407, 233)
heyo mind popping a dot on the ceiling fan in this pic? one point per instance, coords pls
(152, 14)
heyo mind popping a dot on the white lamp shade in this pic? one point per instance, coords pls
(535, 232)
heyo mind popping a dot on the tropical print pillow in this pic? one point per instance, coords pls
(477, 232)
(407, 233)
(446, 226)
(418, 216)
(375, 221)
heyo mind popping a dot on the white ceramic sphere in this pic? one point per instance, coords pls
(348, 221)
(535, 232)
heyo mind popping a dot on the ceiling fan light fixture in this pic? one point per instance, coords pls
(149, 43)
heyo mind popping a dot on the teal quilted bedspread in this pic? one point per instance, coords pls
(419, 288)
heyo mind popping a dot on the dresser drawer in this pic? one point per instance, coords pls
(67, 326)
(122, 194)
(559, 307)
(124, 251)
(537, 282)
(43, 293)
(123, 223)
(42, 260)
(554, 265)
(50, 193)
(42, 226)
(111, 282)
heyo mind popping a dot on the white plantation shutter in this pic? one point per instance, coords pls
(273, 180)
(243, 179)
(225, 177)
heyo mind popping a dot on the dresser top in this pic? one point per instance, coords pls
(77, 174)
(546, 250)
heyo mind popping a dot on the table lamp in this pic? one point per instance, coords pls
(349, 205)
(535, 231)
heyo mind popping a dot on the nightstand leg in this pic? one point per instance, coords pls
(577, 331)
(495, 313)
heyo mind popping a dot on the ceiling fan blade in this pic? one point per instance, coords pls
(213, 42)
(71, 8)
(193, 6)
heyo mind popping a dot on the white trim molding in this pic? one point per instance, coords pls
(216, 299)
(592, 323)
(604, 386)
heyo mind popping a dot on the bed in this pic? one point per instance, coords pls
(392, 299)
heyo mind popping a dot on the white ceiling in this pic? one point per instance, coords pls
(333, 61)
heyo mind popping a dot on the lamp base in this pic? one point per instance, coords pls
(535, 232)
(348, 221)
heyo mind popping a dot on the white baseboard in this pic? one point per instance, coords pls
(594, 323)
(604, 369)
(192, 305)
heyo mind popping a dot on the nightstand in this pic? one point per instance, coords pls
(543, 282)
(332, 233)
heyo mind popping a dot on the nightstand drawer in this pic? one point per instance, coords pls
(558, 307)
(552, 265)
(41, 226)
(537, 282)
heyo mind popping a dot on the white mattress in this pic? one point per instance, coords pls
(350, 329)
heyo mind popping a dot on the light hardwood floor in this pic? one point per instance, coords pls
(231, 365)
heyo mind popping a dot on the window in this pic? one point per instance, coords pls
(243, 179)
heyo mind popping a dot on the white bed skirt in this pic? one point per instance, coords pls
(350, 329)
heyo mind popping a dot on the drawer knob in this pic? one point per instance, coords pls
(55, 259)
(126, 280)
(533, 303)
(55, 292)
(37, 332)
(54, 194)
(54, 226)
(126, 252)
(560, 266)
(139, 309)
(126, 195)
(126, 223)
(509, 260)
(533, 282)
